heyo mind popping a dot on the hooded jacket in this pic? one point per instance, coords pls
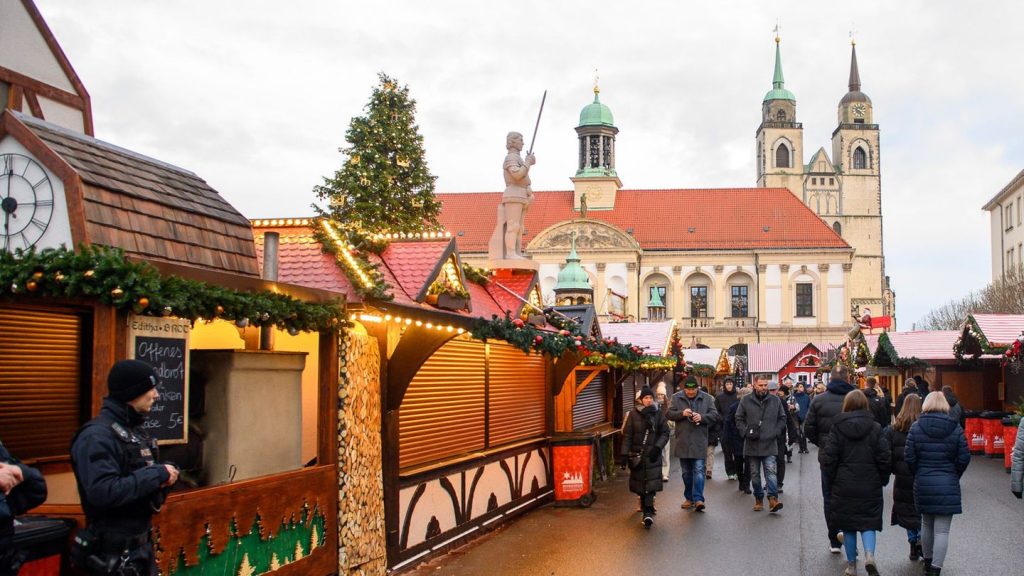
(31, 492)
(803, 402)
(904, 510)
(769, 416)
(856, 463)
(823, 408)
(879, 406)
(651, 422)
(937, 454)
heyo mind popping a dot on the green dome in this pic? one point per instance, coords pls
(596, 114)
(573, 276)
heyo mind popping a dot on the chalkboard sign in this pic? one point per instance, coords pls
(163, 344)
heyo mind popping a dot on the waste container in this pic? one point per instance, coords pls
(1010, 426)
(572, 458)
(993, 434)
(44, 541)
(974, 431)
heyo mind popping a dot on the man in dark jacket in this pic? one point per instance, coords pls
(802, 400)
(910, 386)
(761, 418)
(120, 482)
(732, 436)
(723, 402)
(878, 402)
(694, 413)
(823, 409)
(21, 489)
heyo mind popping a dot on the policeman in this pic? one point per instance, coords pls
(120, 483)
(21, 489)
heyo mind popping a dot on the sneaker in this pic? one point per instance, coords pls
(758, 504)
(915, 551)
(686, 505)
(746, 490)
(869, 564)
(731, 477)
(851, 569)
(698, 506)
(648, 522)
(840, 537)
(773, 504)
(708, 474)
(835, 547)
(780, 489)
(664, 478)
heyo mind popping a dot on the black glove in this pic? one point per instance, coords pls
(653, 454)
(1019, 495)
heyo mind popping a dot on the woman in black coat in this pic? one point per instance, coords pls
(856, 465)
(937, 453)
(904, 510)
(644, 434)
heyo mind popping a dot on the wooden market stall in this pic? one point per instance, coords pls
(66, 317)
(984, 340)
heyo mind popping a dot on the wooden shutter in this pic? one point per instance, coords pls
(443, 411)
(40, 381)
(591, 406)
(517, 394)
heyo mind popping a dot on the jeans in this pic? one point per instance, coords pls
(769, 464)
(693, 478)
(826, 496)
(935, 537)
(913, 535)
(850, 543)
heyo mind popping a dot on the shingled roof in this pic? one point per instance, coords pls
(720, 219)
(148, 208)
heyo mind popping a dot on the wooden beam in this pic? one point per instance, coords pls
(563, 367)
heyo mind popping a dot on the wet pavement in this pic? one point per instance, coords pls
(731, 539)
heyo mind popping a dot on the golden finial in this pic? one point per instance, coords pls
(777, 30)
(597, 89)
(853, 36)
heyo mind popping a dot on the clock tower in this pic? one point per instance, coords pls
(856, 154)
(780, 138)
(596, 181)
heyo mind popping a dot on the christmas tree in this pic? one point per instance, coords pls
(384, 184)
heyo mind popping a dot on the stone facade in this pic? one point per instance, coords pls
(1006, 214)
(361, 533)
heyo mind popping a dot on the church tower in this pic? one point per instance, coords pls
(780, 138)
(856, 154)
(596, 182)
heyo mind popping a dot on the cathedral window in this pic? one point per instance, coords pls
(804, 300)
(860, 159)
(698, 301)
(782, 156)
(780, 115)
(837, 227)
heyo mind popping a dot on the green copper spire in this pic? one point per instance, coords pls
(778, 91)
(573, 276)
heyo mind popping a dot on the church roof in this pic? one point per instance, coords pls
(696, 219)
(854, 95)
(596, 113)
(778, 91)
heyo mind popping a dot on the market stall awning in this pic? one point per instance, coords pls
(996, 330)
(715, 357)
(771, 357)
(900, 349)
(654, 338)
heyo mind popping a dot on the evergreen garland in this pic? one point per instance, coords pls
(104, 273)
(384, 184)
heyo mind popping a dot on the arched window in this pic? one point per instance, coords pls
(837, 227)
(780, 115)
(782, 156)
(860, 159)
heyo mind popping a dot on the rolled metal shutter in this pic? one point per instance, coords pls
(591, 406)
(517, 394)
(443, 411)
(40, 381)
(628, 394)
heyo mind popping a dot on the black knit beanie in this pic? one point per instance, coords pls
(129, 379)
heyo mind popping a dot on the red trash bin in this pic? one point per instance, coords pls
(974, 431)
(1009, 439)
(572, 458)
(994, 435)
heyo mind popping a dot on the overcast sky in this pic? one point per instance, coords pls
(255, 97)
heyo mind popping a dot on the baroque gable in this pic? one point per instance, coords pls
(591, 236)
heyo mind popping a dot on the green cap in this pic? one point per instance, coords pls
(691, 382)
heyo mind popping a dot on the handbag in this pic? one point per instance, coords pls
(636, 457)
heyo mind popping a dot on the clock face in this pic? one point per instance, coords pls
(859, 110)
(26, 202)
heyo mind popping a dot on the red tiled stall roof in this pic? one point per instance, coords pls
(734, 218)
(413, 264)
(148, 208)
(928, 345)
(518, 281)
(771, 357)
(302, 261)
(1000, 329)
(652, 337)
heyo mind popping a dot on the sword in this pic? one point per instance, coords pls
(537, 125)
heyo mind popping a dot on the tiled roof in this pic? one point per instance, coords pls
(925, 345)
(652, 337)
(1000, 329)
(302, 261)
(151, 209)
(772, 356)
(413, 264)
(659, 219)
(518, 281)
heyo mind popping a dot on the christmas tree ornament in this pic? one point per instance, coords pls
(89, 273)
(37, 275)
(219, 310)
(166, 311)
(143, 302)
(58, 277)
(31, 285)
(117, 292)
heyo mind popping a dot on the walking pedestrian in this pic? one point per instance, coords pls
(723, 403)
(21, 489)
(661, 399)
(694, 413)
(782, 440)
(803, 401)
(937, 454)
(878, 402)
(956, 411)
(904, 510)
(824, 407)
(1017, 464)
(733, 437)
(645, 433)
(910, 386)
(857, 463)
(120, 480)
(761, 419)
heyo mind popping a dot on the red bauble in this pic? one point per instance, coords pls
(518, 323)
(538, 339)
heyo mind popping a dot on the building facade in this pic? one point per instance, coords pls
(844, 189)
(1006, 214)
